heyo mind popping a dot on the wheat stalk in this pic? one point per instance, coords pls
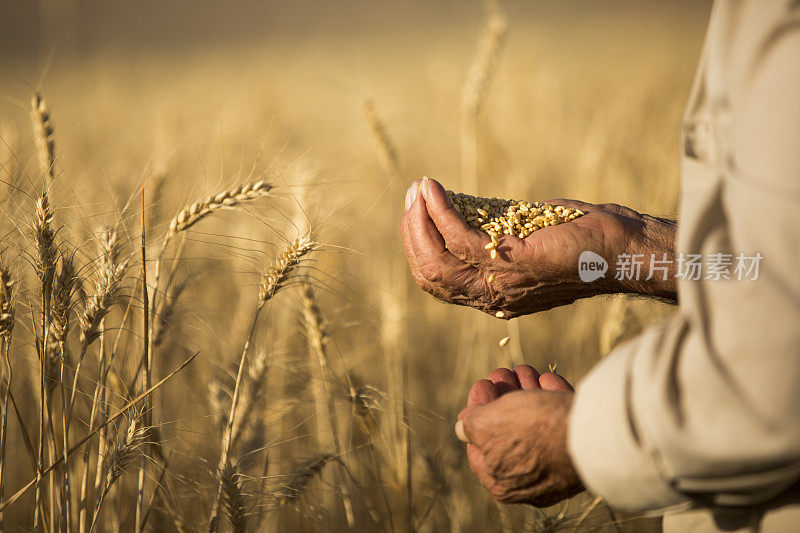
(55, 348)
(316, 337)
(273, 279)
(45, 138)
(147, 357)
(6, 330)
(44, 235)
(75, 447)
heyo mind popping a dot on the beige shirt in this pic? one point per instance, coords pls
(702, 411)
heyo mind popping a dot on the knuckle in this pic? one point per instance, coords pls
(431, 272)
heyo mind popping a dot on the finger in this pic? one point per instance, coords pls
(504, 380)
(527, 376)
(464, 241)
(433, 259)
(411, 194)
(467, 425)
(554, 383)
(482, 392)
(405, 232)
(478, 464)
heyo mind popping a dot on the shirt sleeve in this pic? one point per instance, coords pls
(705, 407)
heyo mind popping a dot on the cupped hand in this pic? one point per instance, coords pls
(515, 424)
(449, 260)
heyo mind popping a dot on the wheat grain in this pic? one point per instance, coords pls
(497, 217)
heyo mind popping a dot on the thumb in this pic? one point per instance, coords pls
(465, 427)
(464, 241)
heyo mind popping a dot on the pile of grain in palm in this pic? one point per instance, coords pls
(497, 217)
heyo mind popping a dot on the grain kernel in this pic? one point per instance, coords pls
(500, 314)
(493, 253)
(491, 278)
(490, 245)
(504, 341)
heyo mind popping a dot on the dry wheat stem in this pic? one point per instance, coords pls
(147, 357)
(316, 337)
(98, 410)
(75, 447)
(185, 219)
(45, 266)
(273, 279)
(6, 330)
(120, 459)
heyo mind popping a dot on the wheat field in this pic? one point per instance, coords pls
(281, 371)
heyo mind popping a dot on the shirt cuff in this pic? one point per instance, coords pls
(604, 445)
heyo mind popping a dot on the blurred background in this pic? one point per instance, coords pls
(340, 105)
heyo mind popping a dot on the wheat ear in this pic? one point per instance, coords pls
(122, 456)
(44, 135)
(233, 498)
(205, 206)
(474, 92)
(388, 152)
(299, 480)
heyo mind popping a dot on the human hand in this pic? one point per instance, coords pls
(515, 424)
(448, 258)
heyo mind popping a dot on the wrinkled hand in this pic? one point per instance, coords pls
(448, 258)
(516, 426)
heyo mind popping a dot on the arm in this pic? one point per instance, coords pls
(703, 407)
(448, 259)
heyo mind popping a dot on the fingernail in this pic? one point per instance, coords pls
(460, 432)
(424, 184)
(411, 194)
